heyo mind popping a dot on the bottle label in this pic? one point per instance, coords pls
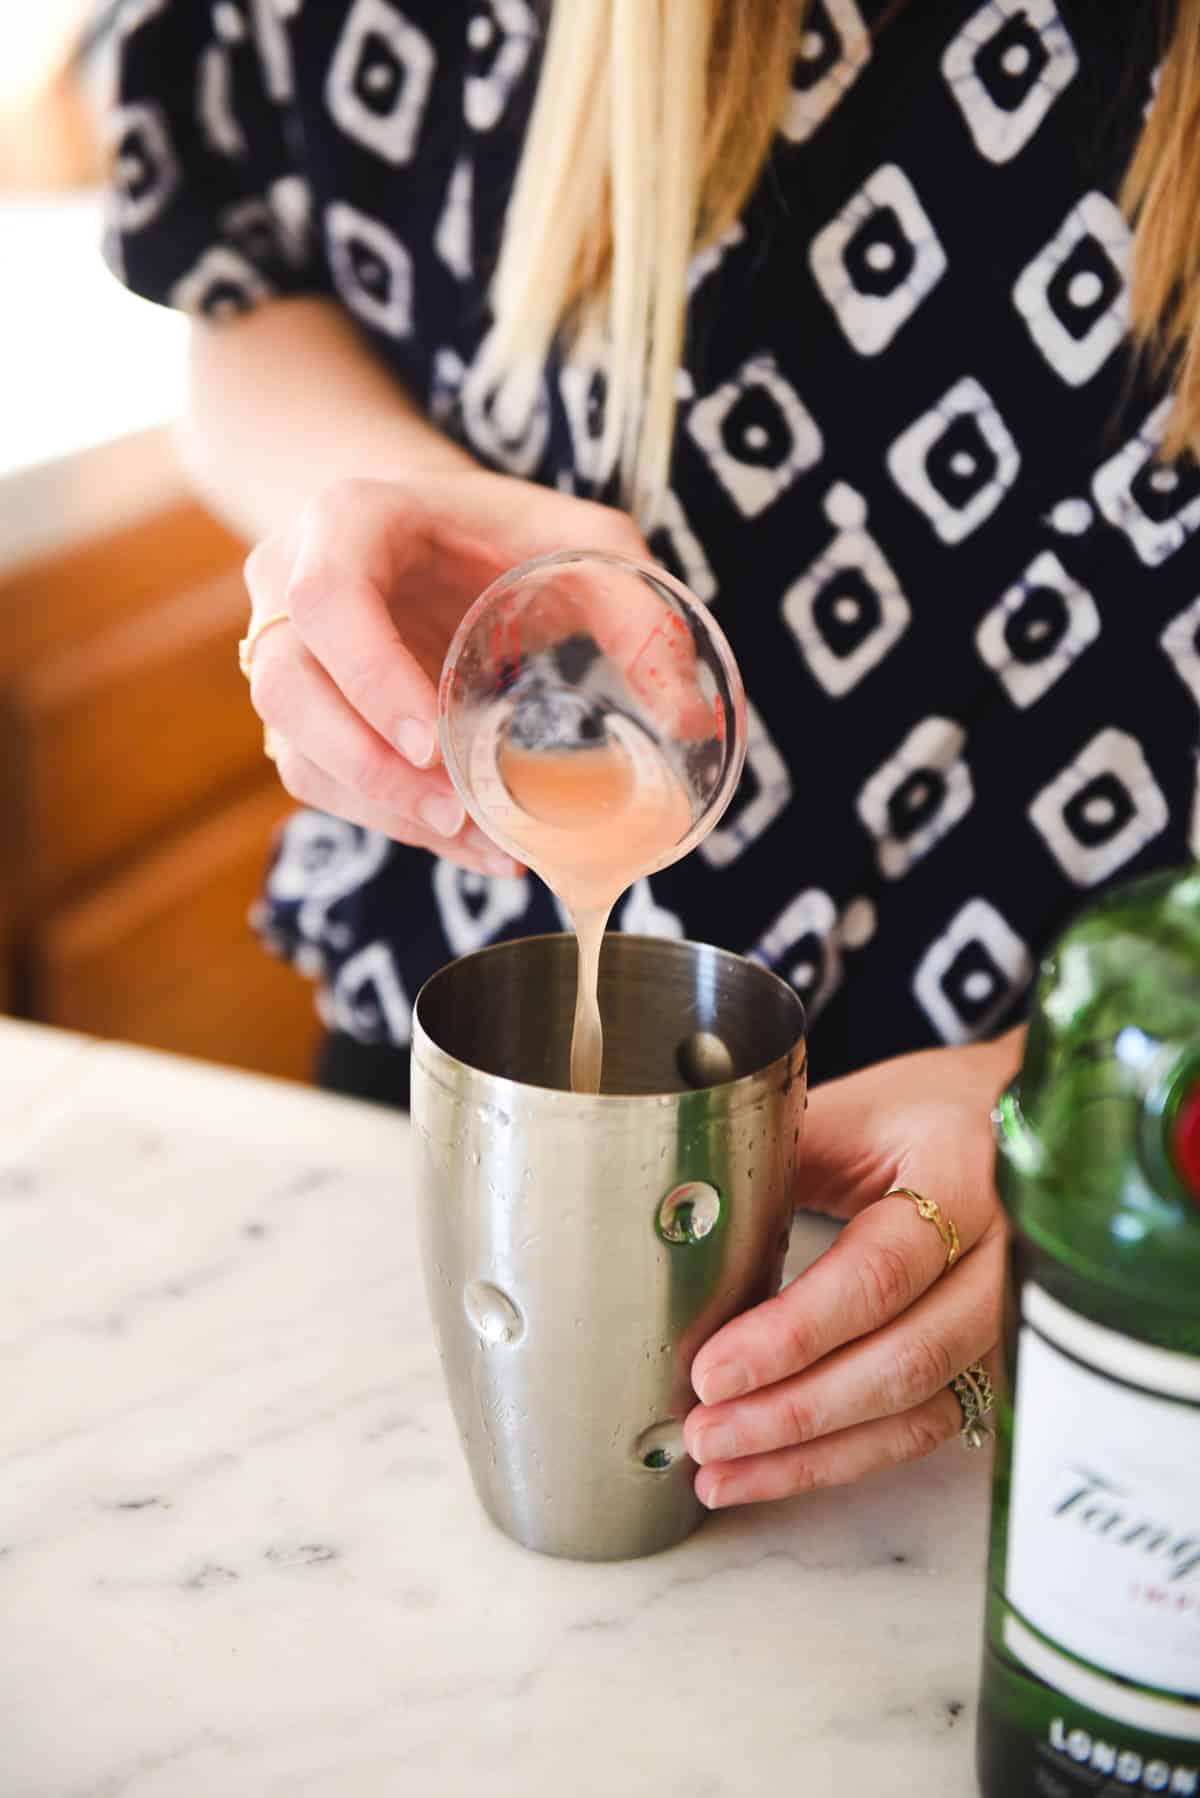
(1104, 1519)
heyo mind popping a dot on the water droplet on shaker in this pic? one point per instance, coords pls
(493, 1314)
(660, 1446)
(689, 1213)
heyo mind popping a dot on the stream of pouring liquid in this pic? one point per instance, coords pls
(590, 821)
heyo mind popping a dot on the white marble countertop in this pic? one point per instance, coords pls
(239, 1552)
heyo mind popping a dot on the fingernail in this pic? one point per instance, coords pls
(717, 1444)
(442, 813)
(418, 744)
(711, 1496)
(728, 1380)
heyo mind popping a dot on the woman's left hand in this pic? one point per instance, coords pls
(848, 1369)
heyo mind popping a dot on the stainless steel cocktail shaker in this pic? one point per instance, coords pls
(578, 1249)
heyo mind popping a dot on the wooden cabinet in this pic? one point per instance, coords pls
(161, 953)
(136, 808)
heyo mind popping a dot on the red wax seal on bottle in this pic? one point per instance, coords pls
(1185, 1141)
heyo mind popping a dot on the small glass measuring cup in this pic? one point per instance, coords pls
(582, 650)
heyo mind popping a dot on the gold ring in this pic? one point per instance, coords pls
(974, 1392)
(246, 644)
(931, 1211)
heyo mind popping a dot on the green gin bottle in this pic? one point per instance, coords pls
(1091, 1679)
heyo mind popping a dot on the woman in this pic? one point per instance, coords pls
(837, 312)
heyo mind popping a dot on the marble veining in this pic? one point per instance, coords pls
(239, 1553)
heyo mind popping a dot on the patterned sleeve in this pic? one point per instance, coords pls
(207, 209)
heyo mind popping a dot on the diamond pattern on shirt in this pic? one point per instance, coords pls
(452, 239)
(834, 49)
(970, 976)
(957, 461)
(877, 260)
(1006, 68)
(847, 610)
(379, 80)
(802, 945)
(1155, 503)
(1036, 630)
(475, 909)
(919, 794)
(500, 38)
(221, 285)
(144, 169)
(1073, 295)
(764, 791)
(1181, 642)
(1101, 809)
(371, 268)
(757, 434)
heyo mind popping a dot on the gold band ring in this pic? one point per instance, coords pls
(931, 1211)
(973, 1390)
(246, 644)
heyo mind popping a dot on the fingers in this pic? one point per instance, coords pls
(880, 1265)
(834, 1460)
(329, 755)
(352, 553)
(292, 693)
(373, 581)
(892, 1372)
(364, 546)
(266, 570)
(849, 1368)
(311, 785)
(493, 523)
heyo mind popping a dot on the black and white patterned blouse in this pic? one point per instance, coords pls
(915, 467)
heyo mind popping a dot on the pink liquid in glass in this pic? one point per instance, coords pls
(590, 821)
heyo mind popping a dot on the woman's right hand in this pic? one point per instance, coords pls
(374, 578)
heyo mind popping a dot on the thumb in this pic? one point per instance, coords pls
(498, 521)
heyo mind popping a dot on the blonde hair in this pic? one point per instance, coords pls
(1161, 193)
(644, 146)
